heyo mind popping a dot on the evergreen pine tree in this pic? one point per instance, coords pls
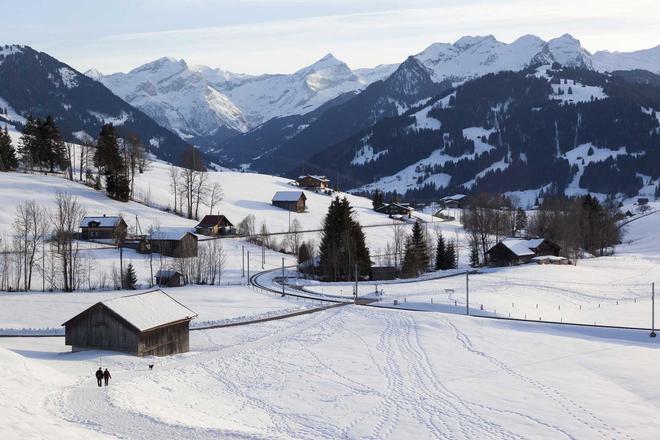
(28, 143)
(474, 253)
(303, 253)
(109, 161)
(343, 244)
(377, 199)
(51, 146)
(570, 91)
(521, 219)
(8, 160)
(130, 278)
(451, 256)
(416, 258)
(440, 254)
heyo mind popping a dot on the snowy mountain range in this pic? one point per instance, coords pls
(199, 101)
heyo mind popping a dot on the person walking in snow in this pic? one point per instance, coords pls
(106, 376)
(99, 376)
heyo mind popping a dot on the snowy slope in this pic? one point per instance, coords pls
(646, 59)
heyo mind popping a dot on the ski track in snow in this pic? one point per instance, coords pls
(570, 407)
(412, 391)
(91, 406)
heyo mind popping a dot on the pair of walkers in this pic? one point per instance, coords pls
(102, 376)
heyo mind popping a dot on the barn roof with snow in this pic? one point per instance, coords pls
(144, 324)
(100, 222)
(522, 247)
(146, 311)
(288, 196)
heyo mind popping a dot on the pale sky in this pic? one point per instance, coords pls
(281, 36)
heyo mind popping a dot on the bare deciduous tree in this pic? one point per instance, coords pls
(399, 240)
(68, 213)
(31, 230)
(213, 196)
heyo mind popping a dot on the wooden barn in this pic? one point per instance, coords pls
(103, 228)
(215, 225)
(176, 244)
(294, 201)
(145, 324)
(393, 209)
(516, 251)
(457, 201)
(313, 182)
(169, 278)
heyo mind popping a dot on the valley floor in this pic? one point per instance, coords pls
(349, 372)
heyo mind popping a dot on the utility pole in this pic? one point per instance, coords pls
(282, 276)
(652, 310)
(467, 293)
(356, 284)
(248, 264)
(243, 261)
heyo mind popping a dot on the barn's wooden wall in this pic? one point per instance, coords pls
(165, 341)
(101, 328)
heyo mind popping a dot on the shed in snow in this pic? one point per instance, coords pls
(150, 323)
(290, 200)
(172, 243)
(313, 181)
(97, 228)
(515, 251)
(168, 278)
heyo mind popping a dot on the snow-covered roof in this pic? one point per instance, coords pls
(149, 310)
(455, 197)
(170, 234)
(104, 222)
(522, 247)
(288, 196)
(314, 176)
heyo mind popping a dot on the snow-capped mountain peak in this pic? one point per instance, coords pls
(94, 73)
(468, 41)
(568, 51)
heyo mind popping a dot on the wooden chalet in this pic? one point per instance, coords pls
(514, 251)
(457, 201)
(145, 324)
(176, 244)
(393, 209)
(103, 228)
(294, 201)
(313, 182)
(169, 278)
(215, 225)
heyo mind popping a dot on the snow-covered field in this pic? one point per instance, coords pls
(351, 372)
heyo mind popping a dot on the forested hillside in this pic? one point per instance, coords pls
(561, 129)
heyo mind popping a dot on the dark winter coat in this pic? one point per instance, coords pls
(99, 374)
(106, 375)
